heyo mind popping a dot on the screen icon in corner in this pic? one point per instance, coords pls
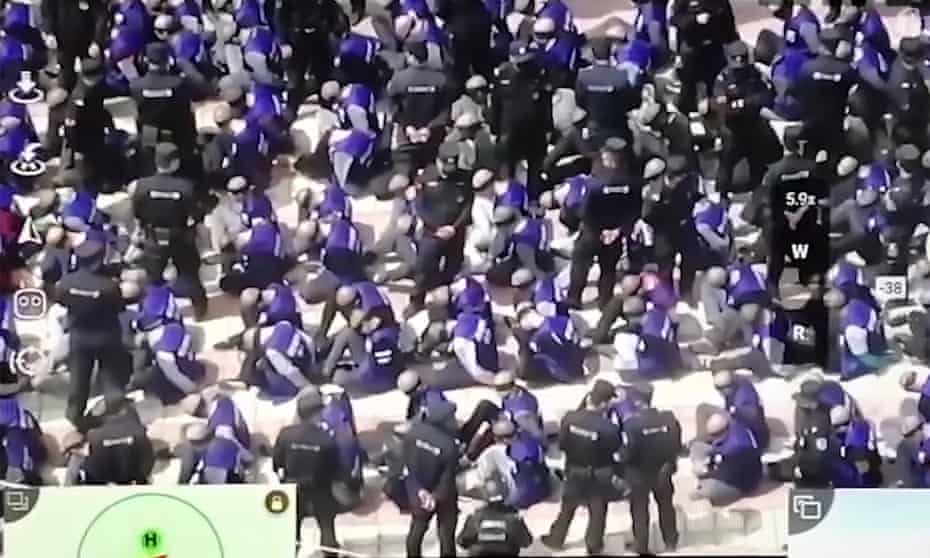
(807, 509)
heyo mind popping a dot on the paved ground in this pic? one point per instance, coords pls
(760, 530)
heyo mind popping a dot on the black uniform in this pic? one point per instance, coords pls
(163, 99)
(75, 24)
(431, 457)
(308, 26)
(652, 443)
(120, 451)
(800, 221)
(521, 114)
(495, 530)
(469, 25)
(94, 302)
(701, 44)
(606, 93)
(165, 206)
(612, 203)
(308, 456)
(740, 92)
(909, 96)
(590, 442)
(423, 99)
(581, 139)
(444, 200)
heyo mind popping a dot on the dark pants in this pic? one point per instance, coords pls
(447, 516)
(320, 504)
(700, 65)
(579, 492)
(68, 52)
(312, 56)
(754, 141)
(587, 247)
(661, 487)
(182, 251)
(438, 262)
(113, 364)
(485, 413)
(527, 142)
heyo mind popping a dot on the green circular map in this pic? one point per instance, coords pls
(150, 526)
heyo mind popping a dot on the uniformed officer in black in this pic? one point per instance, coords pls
(651, 445)
(444, 206)
(521, 114)
(740, 93)
(606, 93)
(608, 213)
(308, 27)
(119, 449)
(591, 443)
(94, 302)
(166, 208)
(163, 97)
(307, 455)
(704, 27)
(422, 99)
(469, 24)
(909, 95)
(495, 529)
(431, 457)
(799, 225)
(822, 89)
(76, 25)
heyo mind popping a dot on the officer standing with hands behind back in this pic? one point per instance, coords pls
(651, 444)
(591, 443)
(94, 302)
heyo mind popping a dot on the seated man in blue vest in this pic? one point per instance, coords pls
(225, 420)
(371, 338)
(24, 453)
(742, 402)
(862, 337)
(341, 255)
(858, 448)
(209, 459)
(164, 360)
(264, 256)
(262, 308)
(518, 458)
(520, 252)
(550, 346)
(648, 346)
(281, 360)
(730, 465)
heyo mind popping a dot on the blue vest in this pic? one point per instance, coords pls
(578, 187)
(188, 9)
(515, 197)
(657, 350)
(384, 360)
(81, 210)
(744, 284)
(135, 17)
(659, 292)
(190, 46)
(530, 474)
(875, 177)
(420, 8)
(472, 299)
(127, 43)
(358, 95)
(548, 297)
(558, 12)
(251, 13)
(870, 30)
(339, 420)
(256, 207)
(648, 13)
(480, 331)
(776, 329)
(158, 307)
(531, 233)
(359, 145)
(358, 47)
(859, 438)
(741, 466)
(421, 399)
(831, 394)
(23, 443)
(794, 41)
(562, 53)
(251, 155)
(293, 345)
(714, 215)
(226, 421)
(370, 297)
(222, 455)
(555, 346)
(336, 204)
(342, 251)
(264, 242)
(868, 56)
(638, 53)
(267, 102)
(283, 306)
(519, 401)
(859, 314)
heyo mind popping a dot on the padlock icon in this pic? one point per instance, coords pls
(276, 502)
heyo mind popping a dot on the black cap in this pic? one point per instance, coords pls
(308, 403)
(602, 392)
(91, 67)
(677, 165)
(439, 411)
(417, 49)
(166, 154)
(89, 251)
(738, 49)
(614, 144)
(449, 151)
(793, 137)
(911, 47)
(521, 51)
(807, 394)
(600, 48)
(158, 53)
